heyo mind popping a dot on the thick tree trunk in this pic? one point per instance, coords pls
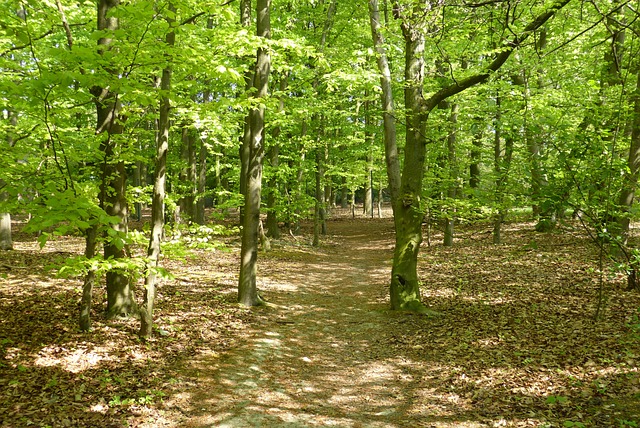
(247, 289)
(408, 214)
(120, 301)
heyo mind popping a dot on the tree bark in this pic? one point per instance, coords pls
(273, 231)
(319, 196)
(369, 138)
(188, 175)
(247, 289)
(120, 301)
(5, 232)
(89, 281)
(245, 138)
(202, 184)
(159, 189)
(392, 159)
(452, 188)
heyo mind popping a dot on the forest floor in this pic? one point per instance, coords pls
(516, 344)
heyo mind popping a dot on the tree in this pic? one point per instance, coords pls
(113, 191)
(159, 186)
(247, 290)
(408, 213)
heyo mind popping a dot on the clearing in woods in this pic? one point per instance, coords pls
(515, 346)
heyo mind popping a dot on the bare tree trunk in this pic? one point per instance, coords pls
(159, 188)
(369, 138)
(317, 215)
(273, 230)
(5, 232)
(452, 190)
(202, 184)
(247, 289)
(89, 280)
(245, 139)
(476, 153)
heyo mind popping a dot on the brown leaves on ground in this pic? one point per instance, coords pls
(517, 345)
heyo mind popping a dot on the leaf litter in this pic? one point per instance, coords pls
(517, 345)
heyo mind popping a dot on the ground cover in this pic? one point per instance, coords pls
(516, 344)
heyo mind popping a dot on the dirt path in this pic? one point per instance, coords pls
(318, 358)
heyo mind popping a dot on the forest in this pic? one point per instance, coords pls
(382, 213)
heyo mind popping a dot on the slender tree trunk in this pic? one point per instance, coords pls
(452, 188)
(630, 184)
(137, 182)
(497, 167)
(245, 139)
(247, 289)
(392, 159)
(369, 138)
(89, 280)
(188, 174)
(299, 185)
(202, 184)
(344, 193)
(5, 232)
(273, 230)
(159, 188)
(476, 153)
(5, 218)
(317, 215)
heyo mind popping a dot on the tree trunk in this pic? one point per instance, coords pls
(388, 110)
(344, 193)
(497, 166)
(369, 138)
(247, 289)
(452, 188)
(245, 139)
(630, 183)
(202, 184)
(120, 301)
(89, 280)
(476, 154)
(408, 214)
(159, 188)
(273, 231)
(5, 232)
(188, 174)
(317, 214)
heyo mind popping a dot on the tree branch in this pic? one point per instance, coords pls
(498, 62)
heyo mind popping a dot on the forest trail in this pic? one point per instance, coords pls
(318, 358)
